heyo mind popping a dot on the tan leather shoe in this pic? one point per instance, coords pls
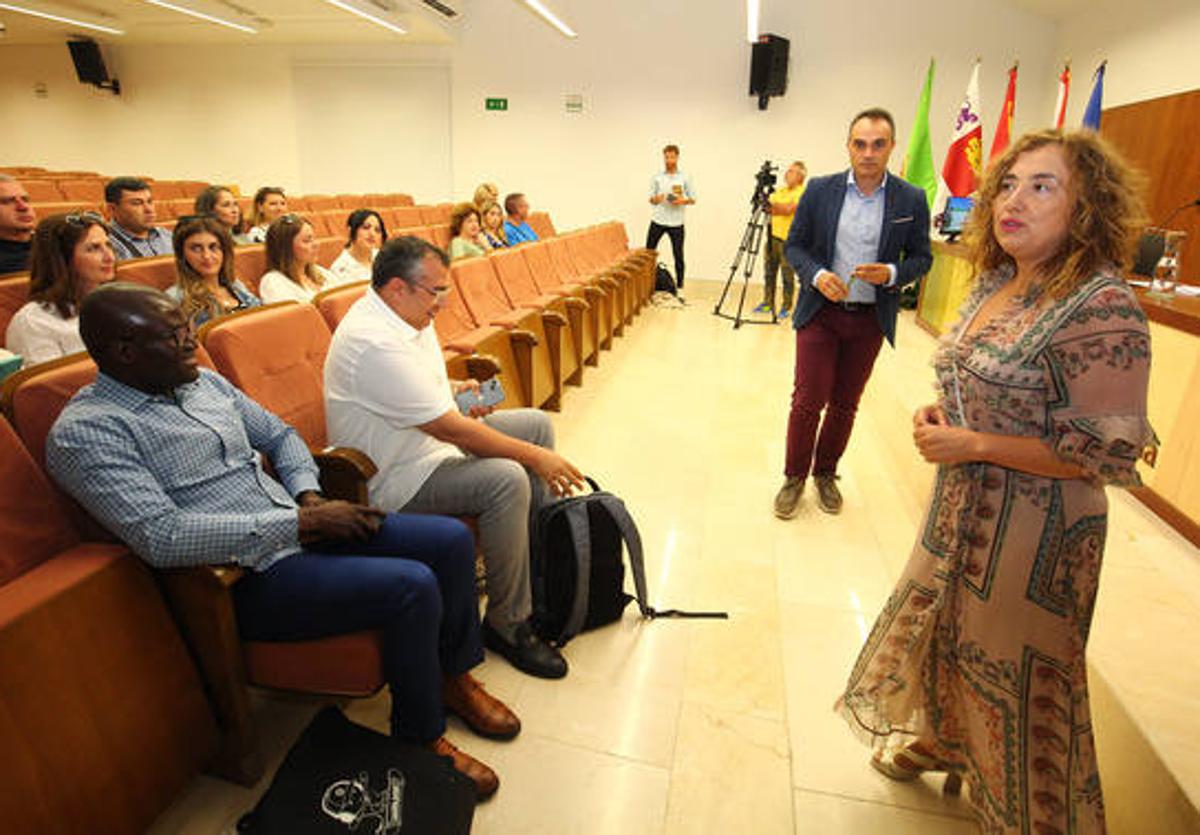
(486, 715)
(485, 780)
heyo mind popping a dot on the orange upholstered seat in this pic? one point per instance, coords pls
(42, 191)
(85, 190)
(102, 712)
(406, 217)
(158, 272)
(540, 221)
(250, 264)
(334, 304)
(14, 292)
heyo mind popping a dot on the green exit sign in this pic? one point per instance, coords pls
(495, 104)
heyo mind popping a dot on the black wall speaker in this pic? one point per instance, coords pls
(89, 65)
(768, 68)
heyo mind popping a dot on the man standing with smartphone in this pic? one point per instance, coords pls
(670, 191)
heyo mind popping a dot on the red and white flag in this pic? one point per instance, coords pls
(965, 156)
(1004, 125)
(1064, 87)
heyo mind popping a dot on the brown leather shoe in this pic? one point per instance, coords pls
(486, 715)
(787, 500)
(485, 780)
(829, 497)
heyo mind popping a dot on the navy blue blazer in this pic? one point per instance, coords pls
(904, 241)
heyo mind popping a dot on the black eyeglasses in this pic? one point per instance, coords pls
(84, 219)
(438, 293)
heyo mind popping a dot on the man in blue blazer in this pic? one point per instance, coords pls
(857, 238)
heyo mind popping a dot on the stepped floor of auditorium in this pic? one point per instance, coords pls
(711, 726)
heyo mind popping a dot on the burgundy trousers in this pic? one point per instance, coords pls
(835, 353)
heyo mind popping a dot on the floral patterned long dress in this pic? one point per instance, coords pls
(979, 651)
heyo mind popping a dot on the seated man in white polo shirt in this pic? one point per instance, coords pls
(387, 393)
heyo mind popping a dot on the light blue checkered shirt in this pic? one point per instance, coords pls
(178, 478)
(859, 227)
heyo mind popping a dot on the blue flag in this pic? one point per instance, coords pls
(1091, 115)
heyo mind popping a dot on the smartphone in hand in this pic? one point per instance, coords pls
(491, 392)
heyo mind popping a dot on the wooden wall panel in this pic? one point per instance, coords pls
(1162, 137)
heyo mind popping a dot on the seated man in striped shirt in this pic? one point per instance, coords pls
(167, 456)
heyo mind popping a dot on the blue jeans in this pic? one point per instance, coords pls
(414, 580)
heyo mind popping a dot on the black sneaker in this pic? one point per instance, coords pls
(527, 652)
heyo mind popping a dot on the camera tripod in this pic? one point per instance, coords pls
(747, 254)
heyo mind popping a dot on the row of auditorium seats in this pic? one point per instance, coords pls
(127, 645)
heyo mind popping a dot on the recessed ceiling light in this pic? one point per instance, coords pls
(220, 21)
(60, 19)
(363, 13)
(551, 18)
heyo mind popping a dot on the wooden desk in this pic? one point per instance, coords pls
(1172, 486)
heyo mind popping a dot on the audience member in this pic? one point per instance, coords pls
(132, 230)
(387, 393)
(367, 233)
(315, 567)
(491, 218)
(206, 287)
(484, 194)
(294, 274)
(71, 256)
(219, 202)
(467, 240)
(270, 203)
(516, 227)
(977, 665)
(670, 191)
(17, 220)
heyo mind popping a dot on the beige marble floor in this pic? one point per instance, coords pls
(707, 727)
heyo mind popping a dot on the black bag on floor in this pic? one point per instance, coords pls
(663, 281)
(577, 571)
(340, 778)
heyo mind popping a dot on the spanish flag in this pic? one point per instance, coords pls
(1004, 123)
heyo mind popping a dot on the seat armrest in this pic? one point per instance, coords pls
(345, 472)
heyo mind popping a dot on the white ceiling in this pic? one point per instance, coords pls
(277, 21)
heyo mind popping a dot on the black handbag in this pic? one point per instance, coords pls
(343, 778)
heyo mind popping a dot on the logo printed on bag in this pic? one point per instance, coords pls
(350, 802)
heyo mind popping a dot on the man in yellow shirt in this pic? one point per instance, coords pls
(783, 208)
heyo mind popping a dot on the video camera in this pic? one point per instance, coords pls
(764, 184)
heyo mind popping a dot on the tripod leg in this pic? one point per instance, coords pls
(754, 230)
(747, 237)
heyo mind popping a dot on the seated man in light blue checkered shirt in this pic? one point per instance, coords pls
(168, 457)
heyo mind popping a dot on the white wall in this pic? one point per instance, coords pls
(229, 114)
(677, 70)
(1150, 53)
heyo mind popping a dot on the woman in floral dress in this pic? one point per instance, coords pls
(976, 665)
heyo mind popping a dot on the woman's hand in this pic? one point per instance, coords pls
(940, 444)
(930, 415)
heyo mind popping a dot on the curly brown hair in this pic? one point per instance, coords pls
(459, 216)
(1106, 216)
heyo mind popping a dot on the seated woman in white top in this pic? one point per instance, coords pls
(367, 234)
(294, 273)
(219, 202)
(269, 203)
(205, 286)
(71, 256)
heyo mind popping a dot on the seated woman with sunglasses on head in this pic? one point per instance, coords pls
(206, 286)
(71, 256)
(294, 273)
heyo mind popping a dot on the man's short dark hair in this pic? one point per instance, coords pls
(669, 148)
(874, 114)
(510, 202)
(114, 187)
(400, 257)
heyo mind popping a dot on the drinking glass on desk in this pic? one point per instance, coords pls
(1166, 271)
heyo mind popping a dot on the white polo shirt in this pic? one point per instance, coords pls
(383, 379)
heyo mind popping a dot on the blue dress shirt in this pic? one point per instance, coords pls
(860, 226)
(180, 479)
